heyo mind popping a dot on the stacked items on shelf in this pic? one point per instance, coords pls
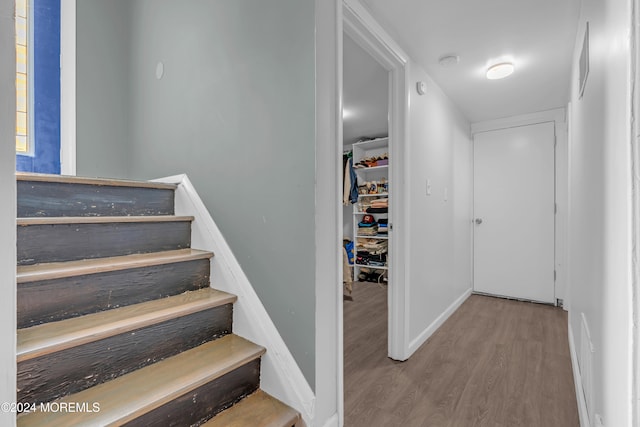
(373, 187)
(370, 251)
(379, 206)
(373, 206)
(373, 161)
(383, 226)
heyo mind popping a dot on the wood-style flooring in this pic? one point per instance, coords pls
(493, 363)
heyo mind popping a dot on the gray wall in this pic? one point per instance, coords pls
(102, 66)
(235, 110)
(7, 209)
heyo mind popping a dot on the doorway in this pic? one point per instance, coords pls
(514, 209)
(361, 29)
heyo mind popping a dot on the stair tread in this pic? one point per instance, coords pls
(127, 397)
(56, 270)
(28, 176)
(257, 410)
(100, 219)
(56, 336)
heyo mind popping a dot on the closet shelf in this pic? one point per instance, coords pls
(373, 195)
(377, 236)
(374, 143)
(367, 213)
(373, 267)
(371, 168)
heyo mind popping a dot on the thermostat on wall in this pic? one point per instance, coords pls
(421, 87)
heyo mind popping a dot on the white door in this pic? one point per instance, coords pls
(514, 209)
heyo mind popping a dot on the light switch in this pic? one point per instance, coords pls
(428, 187)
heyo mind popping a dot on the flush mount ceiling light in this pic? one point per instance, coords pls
(500, 71)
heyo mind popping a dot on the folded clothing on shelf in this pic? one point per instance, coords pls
(368, 231)
(383, 226)
(380, 203)
(377, 210)
(372, 246)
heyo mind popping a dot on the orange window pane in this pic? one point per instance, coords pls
(21, 59)
(21, 31)
(21, 123)
(21, 8)
(21, 92)
(21, 144)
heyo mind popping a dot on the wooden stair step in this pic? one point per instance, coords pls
(256, 410)
(148, 390)
(57, 270)
(40, 195)
(50, 292)
(76, 357)
(25, 222)
(42, 177)
(42, 240)
(57, 336)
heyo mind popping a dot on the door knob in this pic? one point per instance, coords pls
(478, 221)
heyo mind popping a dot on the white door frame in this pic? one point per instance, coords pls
(367, 33)
(68, 87)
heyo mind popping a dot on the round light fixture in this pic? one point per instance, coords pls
(500, 71)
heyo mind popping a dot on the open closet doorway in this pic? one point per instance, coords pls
(366, 204)
(374, 104)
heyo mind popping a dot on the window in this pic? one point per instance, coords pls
(22, 76)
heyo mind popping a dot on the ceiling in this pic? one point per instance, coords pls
(538, 36)
(365, 94)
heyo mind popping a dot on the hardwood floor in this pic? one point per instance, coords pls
(494, 363)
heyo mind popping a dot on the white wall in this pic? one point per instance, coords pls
(599, 231)
(7, 210)
(439, 229)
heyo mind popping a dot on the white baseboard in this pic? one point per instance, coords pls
(280, 374)
(332, 422)
(424, 335)
(577, 380)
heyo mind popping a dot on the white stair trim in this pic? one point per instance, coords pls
(583, 414)
(281, 376)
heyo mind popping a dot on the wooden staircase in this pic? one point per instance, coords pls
(117, 324)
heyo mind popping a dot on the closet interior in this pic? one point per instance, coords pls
(366, 166)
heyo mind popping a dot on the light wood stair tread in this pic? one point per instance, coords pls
(127, 397)
(56, 270)
(100, 219)
(257, 410)
(56, 336)
(28, 176)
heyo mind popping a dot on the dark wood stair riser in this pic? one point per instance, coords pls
(203, 403)
(68, 371)
(51, 199)
(58, 299)
(68, 242)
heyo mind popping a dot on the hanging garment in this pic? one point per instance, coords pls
(354, 183)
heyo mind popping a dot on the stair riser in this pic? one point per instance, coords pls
(204, 402)
(68, 242)
(58, 299)
(50, 199)
(68, 371)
